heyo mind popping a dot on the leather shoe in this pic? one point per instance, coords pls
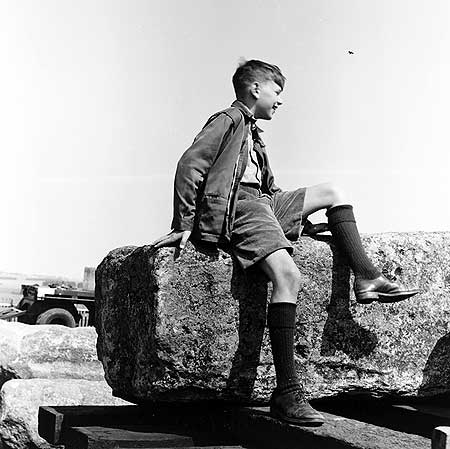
(381, 289)
(293, 408)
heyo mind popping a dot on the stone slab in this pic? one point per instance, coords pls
(193, 327)
(255, 425)
(48, 351)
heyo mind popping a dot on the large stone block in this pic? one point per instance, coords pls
(21, 399)
(193, 327)
(48, 351)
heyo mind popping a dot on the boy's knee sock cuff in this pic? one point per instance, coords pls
(339, 207)
(281, 315)
(340, 214)
(282, 305)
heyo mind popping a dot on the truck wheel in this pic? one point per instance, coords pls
(56, 316)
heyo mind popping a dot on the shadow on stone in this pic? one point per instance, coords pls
(436, 379)
(249, 289)
(341, 332)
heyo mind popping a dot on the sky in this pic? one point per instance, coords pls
(101, 97)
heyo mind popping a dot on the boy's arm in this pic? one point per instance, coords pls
(193, 167)
(191, 171)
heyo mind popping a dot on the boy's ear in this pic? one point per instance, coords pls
(255, 89)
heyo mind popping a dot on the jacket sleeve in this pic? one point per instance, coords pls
(193, 167)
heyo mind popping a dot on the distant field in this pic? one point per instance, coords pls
(9, 291)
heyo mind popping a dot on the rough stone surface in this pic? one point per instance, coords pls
(48, 351)
(21, 399)
(193, 327)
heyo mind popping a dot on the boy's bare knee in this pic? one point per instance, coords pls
(284, 275)
(333, 193)
(289, 278)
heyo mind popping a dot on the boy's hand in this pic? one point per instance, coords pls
(172, 238)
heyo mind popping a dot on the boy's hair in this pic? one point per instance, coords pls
(254, 70)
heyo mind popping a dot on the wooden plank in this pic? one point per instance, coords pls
(194, 447)
(416, 417)
(206, 423)
(50, 422)
(53, 421)
(426, 409)
(97, 437)
(393, 427)
(440, 438)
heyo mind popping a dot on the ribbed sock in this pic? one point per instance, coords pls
(343, 227)
(281, 323)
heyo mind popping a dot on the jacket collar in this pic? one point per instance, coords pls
(248, 115)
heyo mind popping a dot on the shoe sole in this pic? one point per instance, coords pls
(367, 298)
(299, 422)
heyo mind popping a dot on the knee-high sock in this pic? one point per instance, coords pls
(281, 323)
(343, 228)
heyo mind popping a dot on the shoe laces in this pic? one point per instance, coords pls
(299, 394)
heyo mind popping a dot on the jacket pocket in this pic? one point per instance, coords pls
(212, 214)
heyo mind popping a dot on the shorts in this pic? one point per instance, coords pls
(265, 224)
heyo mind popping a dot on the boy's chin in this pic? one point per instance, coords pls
(265, 117)
(270, 114)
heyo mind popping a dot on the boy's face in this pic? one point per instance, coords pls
(268, 99)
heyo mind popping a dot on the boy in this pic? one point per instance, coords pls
(225, 195)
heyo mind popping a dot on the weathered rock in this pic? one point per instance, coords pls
(48, 351)
(194, 327)
(21, 399)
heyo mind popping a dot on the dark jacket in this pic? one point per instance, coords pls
(209, 172)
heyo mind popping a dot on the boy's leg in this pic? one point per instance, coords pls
(342, 225)
(288, 401)
(369, 283)
(259, 240)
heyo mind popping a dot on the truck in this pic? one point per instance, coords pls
(53, 305)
